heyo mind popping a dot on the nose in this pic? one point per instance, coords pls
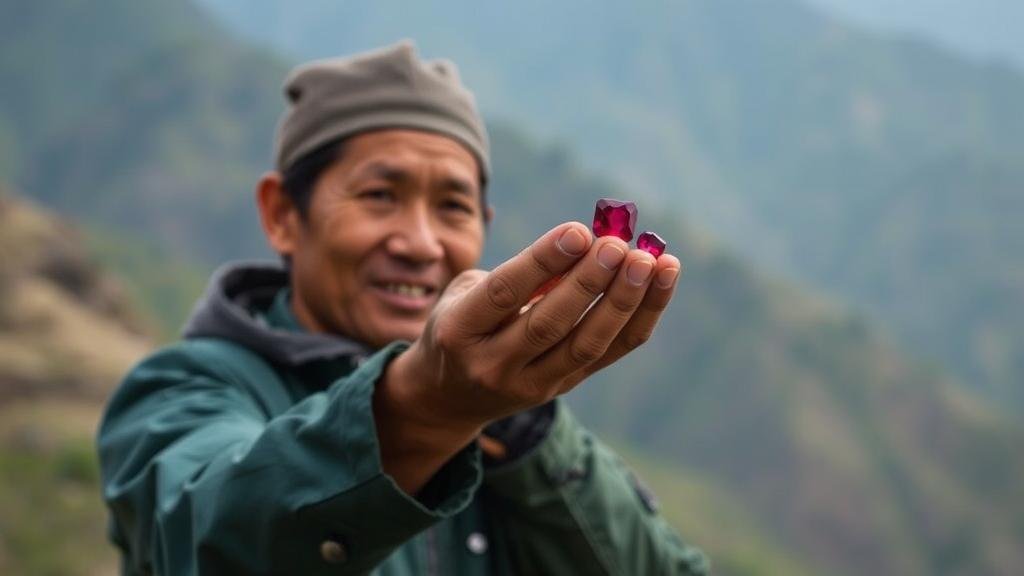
(415, 238)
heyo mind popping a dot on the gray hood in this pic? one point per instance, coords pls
(232, 309)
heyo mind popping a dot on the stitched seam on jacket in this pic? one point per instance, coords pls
(608, 563)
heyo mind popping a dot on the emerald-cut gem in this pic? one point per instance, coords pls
(615, 218)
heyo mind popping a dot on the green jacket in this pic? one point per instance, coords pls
(250, 448)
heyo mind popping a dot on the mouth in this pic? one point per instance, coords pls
(406, 296)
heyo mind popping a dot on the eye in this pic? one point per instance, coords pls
(457, 206)
(377, 194)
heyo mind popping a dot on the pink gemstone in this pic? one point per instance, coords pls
(615, 218)
(652, 243)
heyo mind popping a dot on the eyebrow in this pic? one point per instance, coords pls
(384, 171)
(391, 173)
(458, 185)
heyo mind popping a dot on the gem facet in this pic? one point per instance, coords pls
(652, 243)
(615, 218)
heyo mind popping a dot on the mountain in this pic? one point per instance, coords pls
(982, 29)
(67, 335)
(788, 433)
(786, 133)
(115, 109)
(859, 459)
(48, 84)
(52, 290)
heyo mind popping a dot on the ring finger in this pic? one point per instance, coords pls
(548, 321)
(591, 338)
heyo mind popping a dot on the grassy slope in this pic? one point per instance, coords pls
(66, 338)
(713, 517)
(53, 521)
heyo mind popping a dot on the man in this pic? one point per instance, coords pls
(377, 406)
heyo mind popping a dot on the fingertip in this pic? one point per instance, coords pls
(669, 261)
(578, 224)
(614, 240)
(574, 240)
(637, 255)
(572, 225)
(640, 269)
(667, 277)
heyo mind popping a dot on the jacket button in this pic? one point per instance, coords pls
(333, 552)
(477, 543)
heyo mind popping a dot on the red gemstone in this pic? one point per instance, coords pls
(615, 218)
(651, 242)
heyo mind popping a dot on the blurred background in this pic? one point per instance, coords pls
(838, 386)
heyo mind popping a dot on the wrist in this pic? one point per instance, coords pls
(411, 413)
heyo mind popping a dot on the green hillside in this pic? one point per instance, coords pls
(789, 135)
(784, 430)
(66, 337)
(859, 459)
(140, 121)
(49, 83)
(709, 513)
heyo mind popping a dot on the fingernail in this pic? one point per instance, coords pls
(667, 277)
(610, 256)
(639, 271)
(572, 242)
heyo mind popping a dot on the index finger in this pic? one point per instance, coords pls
(509, 286)
(643, 322)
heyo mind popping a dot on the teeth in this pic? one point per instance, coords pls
(407, 290)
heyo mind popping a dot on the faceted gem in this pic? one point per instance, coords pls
(615, 218)
(652, 243)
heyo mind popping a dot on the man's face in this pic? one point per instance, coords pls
(389, 225)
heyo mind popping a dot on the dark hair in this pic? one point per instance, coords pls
(300, 178)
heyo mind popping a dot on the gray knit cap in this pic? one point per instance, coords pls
(387, 88)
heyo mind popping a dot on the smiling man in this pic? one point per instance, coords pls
(376, 405)
(389, 223)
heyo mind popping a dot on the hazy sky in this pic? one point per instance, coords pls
(982, 28)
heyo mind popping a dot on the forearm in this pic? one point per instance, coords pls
(414, 443)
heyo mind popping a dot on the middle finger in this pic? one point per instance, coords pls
(590, 340)
(548, 321)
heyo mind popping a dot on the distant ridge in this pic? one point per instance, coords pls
(879, 168)
(839, 450)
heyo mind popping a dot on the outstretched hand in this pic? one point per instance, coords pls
(480, 359)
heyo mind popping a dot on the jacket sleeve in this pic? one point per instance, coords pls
(571, 506)
(201, 480)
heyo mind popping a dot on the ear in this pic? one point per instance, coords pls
(278, 214)
(489, 214)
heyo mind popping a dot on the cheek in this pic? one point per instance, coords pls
(341, 269)
(345, 241)
(329, 263)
